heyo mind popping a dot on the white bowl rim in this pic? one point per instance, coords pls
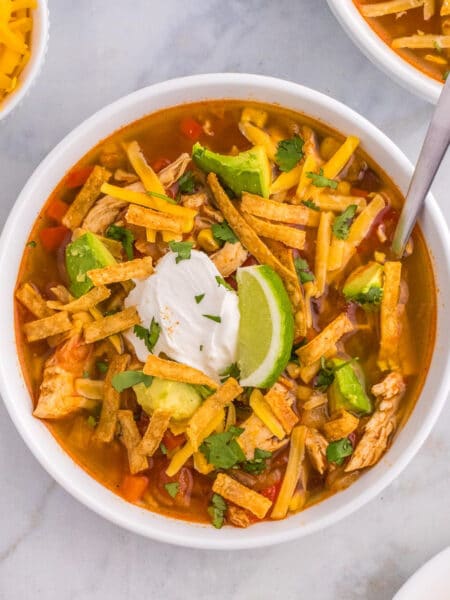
(27, 78)
(380, 54)
(45, 448)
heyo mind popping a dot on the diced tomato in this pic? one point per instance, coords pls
(191, 128)
(52, 237)
(250, 261)
(78, 177)
(359, 192)
(172, 441)
(56, 210)
(272, 491)
(133, 487)
(160, 163)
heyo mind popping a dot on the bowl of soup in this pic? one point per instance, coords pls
(206, 338)
(24, 26)
(409, 39)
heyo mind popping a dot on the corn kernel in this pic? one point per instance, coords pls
(206, 241)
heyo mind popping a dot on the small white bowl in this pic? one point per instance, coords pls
(39, 41)
(15, 394)
(381, 54)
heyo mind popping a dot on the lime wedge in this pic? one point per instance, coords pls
(266, 330)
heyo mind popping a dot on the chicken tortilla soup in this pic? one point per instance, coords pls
(209, 318)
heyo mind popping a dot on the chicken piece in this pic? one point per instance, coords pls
(257, 435)
(200, 202)
(229, 258)
(392, 385)
(239, 517)
(125, 176)
(342, 425)
(175, 170)
(106, 210)
(316, 448)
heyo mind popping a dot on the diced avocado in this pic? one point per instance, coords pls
(246, 172)
(85, 253)
(181, 399)
(365, 284)
(347, 390)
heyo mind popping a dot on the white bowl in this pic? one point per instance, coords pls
(381, 54)
(39, 41)
(43, 181)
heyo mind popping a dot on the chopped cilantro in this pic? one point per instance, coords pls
(319, 180)
(150, 336)
(341, 225)
(186, 183)
(258, 464)
(215, 318)
(172, 488)
(221, 282)
(199, 298)
(91, 421)
(203, 390)
(373, 296)
(231, 371)
(302, 270)
(222, 232)
(124, 236)
(326, 373)
(102, 366)
(311, 204)
(445, 75)
(183, 249)
(337, 451)
(85, 374)
(295, 347)
(289, 152)
(127, 379)
(163, 448)
(201, 347)
(222, 450)
(32, 244)
(217, 510)
(437, 46)
(163, 197)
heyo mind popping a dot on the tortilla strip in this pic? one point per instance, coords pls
(278, 400)
(30, 297)
(235, 492)
(338, 203)
(445, 8)
(292, 237)
(155, 432)
(308, 373)
(86, 197)
(247, 236)
(325, 340)
(429, 8)
(168, 369)
(85, 302)
(62, 293)
(48, 326)
(388, 358)
(209, 409)
(139, 268)
(107, 326)
(151, 219)
(390, 7)
(422, 41)
(322, 252)
(106, 427)
(296, 214)
(131, 439)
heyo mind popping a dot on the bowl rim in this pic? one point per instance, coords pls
(36, 435)
(39, 44)
(379, 53)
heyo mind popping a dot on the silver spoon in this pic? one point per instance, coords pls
(434, 147)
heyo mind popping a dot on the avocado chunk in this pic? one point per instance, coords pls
(365, 284)
(181, 399)
(246, 172)
(85, 253)
(347, 390)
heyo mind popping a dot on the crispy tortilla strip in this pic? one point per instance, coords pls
(139, 268)
(390, 318)
(337, 162)
(106, 427)
(48, 326)
(90, 388)
(235, 492)
(131, 439)
(248, 237)
(279, 211)
(151, 219)
(209, 409)
(429, 8)
(292, 474)
(264, 412)
(445, 8)
(390, 7)
(155, 431)
(279, 401)
(337, 203)
(62, 294)
(292, 237)
(86, 302)
(322, 252)
(342, 425)
(325, 340)
(107, 326)
(116, 340)
(86, 197)
(168, 369)
(29, 296)
(308, 373)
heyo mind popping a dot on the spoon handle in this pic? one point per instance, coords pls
(434, 147)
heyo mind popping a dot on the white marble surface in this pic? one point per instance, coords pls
(50, 545)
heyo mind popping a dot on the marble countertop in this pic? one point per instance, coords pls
(52, 546)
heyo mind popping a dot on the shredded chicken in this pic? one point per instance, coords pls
(106, 210)
(392, 385)
(316, 448)
(257, 435)
(238, 516)
(200, 202)
(125, 176)
(175, 170)
(229, 258)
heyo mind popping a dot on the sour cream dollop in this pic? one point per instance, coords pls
(178, 296)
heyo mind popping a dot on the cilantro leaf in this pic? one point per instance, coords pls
(230, 371)
(311, 204)
(216, 510)
(186, 183)
(258, 464)
(302, 270)
(437, 46)
(337, 451)
(163, 197)
(215, 318)
(183, 249)
(319, 180)
(199, 298)
(150, 336)
(445, 75)
(289, 152)
(221, 282)
(222, 450)
(124, 236)
(373, 296)
(172, 488)
(341, 225)
(91, 421)
(127, 379)
(163, 449)
(102, 366)
(203, 390)
(31, 244)
(326, 373)
(222, 232)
